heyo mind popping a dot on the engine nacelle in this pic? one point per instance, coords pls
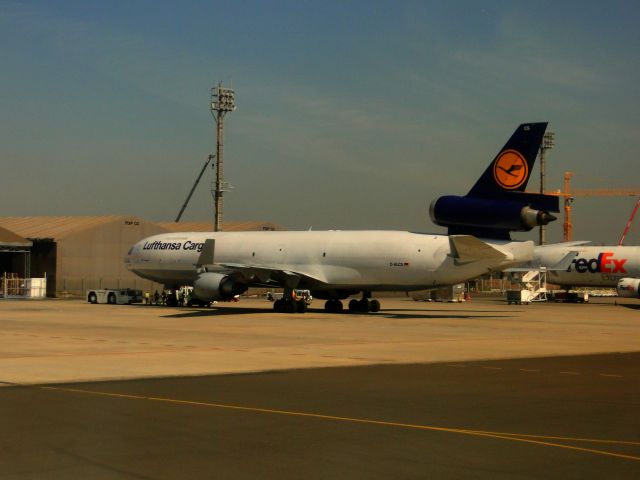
(216, 286)
(628, 287)
(454, 211)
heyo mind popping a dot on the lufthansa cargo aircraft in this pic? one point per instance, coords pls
(337, 264)
(574, 264)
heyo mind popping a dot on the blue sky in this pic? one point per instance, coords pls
(350, 115)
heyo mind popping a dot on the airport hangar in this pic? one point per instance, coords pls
(15, 252)
(79, 253)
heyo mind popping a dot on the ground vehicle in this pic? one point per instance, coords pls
(570, 296)
(451, 293)
(124, 296)
(298, 294)
(518, 297)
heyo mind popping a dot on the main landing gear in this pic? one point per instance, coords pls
(364, 305)
(290, 305)
(333, 306)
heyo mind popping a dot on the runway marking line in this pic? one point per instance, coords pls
(515, 437)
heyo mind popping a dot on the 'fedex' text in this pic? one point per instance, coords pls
(605, 263)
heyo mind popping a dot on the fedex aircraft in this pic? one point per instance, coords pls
(337, 264)
(576, 264)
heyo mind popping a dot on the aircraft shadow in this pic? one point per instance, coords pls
(443, 310)
(390, 314)
(186, 312)
(630, 306)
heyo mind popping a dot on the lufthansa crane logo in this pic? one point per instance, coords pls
(510, 169)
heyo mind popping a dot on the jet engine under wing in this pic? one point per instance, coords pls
(467, 249)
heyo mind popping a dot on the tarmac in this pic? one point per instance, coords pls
(55, 341)
(423, 390)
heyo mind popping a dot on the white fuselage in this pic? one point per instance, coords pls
(592, 266)
(364, 260)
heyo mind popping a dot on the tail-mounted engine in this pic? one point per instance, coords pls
(493, 217)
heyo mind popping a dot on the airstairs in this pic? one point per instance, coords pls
(533, 287)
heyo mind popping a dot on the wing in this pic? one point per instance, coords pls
(253, 274)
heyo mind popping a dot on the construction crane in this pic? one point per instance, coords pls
(569, 195)
(626, 229)
(186, 202)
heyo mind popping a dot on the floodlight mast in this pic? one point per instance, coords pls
(548, 142)
(223, 100)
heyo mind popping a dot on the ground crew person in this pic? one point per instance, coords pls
(147, 300)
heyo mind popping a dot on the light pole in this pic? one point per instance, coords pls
(223, 100)
(548, 141)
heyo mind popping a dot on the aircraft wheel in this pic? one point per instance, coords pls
(353, 305)
(290, 307)
(277, 306)
(301, 306)
(374, 306)
(363, 305)
(333, 306)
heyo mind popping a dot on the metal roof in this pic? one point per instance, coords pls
(226, 226)
(61, 227)
(10, 239)
(55, 227)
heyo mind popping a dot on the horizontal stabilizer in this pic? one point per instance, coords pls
(561, 266)
(573, 243)
(467, 249)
